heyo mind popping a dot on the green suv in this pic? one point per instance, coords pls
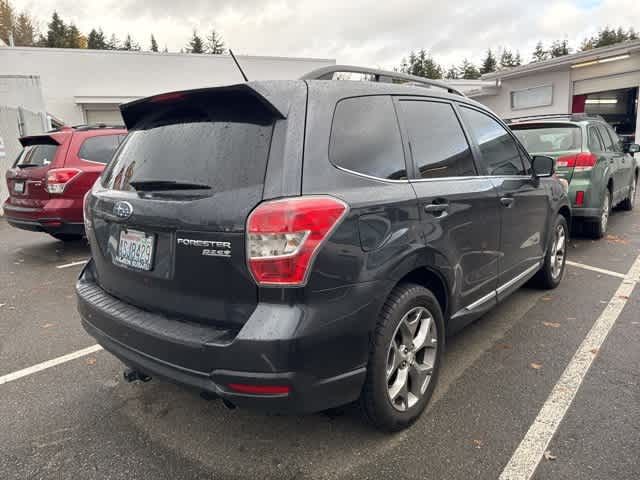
(601, 170)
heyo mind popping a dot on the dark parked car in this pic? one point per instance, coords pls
(52, 174)
(599, 167)
(297, 245)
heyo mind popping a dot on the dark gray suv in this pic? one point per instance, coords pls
(298, 245)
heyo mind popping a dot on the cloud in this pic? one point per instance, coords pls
(364, 32)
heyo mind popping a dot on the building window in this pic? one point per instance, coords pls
(532, 97)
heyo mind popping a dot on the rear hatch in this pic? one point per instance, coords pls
(26, 180)
(168, 215)
(560, 141)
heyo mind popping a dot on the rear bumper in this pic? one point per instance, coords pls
(210, 359)
(59, 215)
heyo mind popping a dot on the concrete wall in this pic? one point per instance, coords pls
(501, 102)
(103, 75)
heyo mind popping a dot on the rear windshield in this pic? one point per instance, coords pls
(545, 138)
(224, 145)
(36, 155)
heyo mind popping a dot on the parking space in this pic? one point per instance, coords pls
(78, 419)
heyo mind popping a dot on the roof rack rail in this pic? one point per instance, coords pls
(96, 126)
(382, 76)
(549, 116)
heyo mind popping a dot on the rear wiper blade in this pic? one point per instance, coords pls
(156, 185)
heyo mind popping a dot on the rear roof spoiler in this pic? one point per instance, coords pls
(38, 140)
(266, 93)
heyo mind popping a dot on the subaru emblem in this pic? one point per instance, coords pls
(122, 210)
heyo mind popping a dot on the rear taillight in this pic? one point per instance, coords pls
(59, 178)
(283, 237)
(583, 161)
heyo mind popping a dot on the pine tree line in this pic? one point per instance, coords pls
(422, 64)
(60, 34)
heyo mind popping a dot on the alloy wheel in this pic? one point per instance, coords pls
(411, 358)
(558, 252)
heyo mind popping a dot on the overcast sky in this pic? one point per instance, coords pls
(362, 32)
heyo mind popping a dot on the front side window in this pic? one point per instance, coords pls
(499, 151)
(608, 143)
(595, 144)
(437, 142)
(365, 138)
(99, 149)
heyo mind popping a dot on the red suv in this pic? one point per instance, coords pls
(50, 177)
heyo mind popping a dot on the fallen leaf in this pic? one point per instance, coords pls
(594, 351)
(477, 443)
(47, 325)
(91, 361)
(548, 455)
(503, 346)
(551, 324)
(536, 366)
(624, 297)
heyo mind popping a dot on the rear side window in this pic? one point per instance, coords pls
(595, 144)
(548, 138)
(499, 151)
(99, 149)
(438, 145)
(365, 138)
(608, 143)
(37, 156)
(222, 143)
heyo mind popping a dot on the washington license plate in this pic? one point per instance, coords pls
(135, 249)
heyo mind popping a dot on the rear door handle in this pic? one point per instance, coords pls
(436, 208)
(507, 201)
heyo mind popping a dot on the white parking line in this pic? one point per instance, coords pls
(48, 364)
(72, 264)
(525, 459)
(596, 269)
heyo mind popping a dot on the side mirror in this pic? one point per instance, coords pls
(542, 166)
(631, 148)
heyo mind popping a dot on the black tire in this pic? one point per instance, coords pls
(66, 237)
(375, 398)
(597, 228)
(549, 276)
(627, 203)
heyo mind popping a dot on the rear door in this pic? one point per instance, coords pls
(460, 213)
(625, 162)
(169, 214)
(616, 163)
(524, 201)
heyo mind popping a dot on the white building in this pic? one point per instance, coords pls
(86, 86)
(603, 81)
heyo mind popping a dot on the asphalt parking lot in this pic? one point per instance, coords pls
(499, 399)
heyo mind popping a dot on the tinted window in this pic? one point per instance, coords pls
(224, 145)
(499, 151)
(365, 138)
(617, 143)
(99, 149)
(438, 144)
(38, 155)
(547, 138)
(595, 144)
(608, 143)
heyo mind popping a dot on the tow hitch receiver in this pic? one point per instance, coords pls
(131, 375)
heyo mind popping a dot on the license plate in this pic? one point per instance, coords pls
(135, 249)
(18, 187)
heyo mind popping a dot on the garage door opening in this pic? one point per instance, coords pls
(618, 107)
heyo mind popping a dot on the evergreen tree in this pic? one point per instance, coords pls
(489, 64)
(468, 70)
(129, 44)
(608, 36)
(451, 73)
(559, 48)
(539, 54)
(507, 59)
(215, 44)
(195, 45)
(165, 50)
(25, 34)
(517, 59)
(113, 43)
(154, 44)
(56, 32)
(7, 20)
(73, 37)
(96, 40)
